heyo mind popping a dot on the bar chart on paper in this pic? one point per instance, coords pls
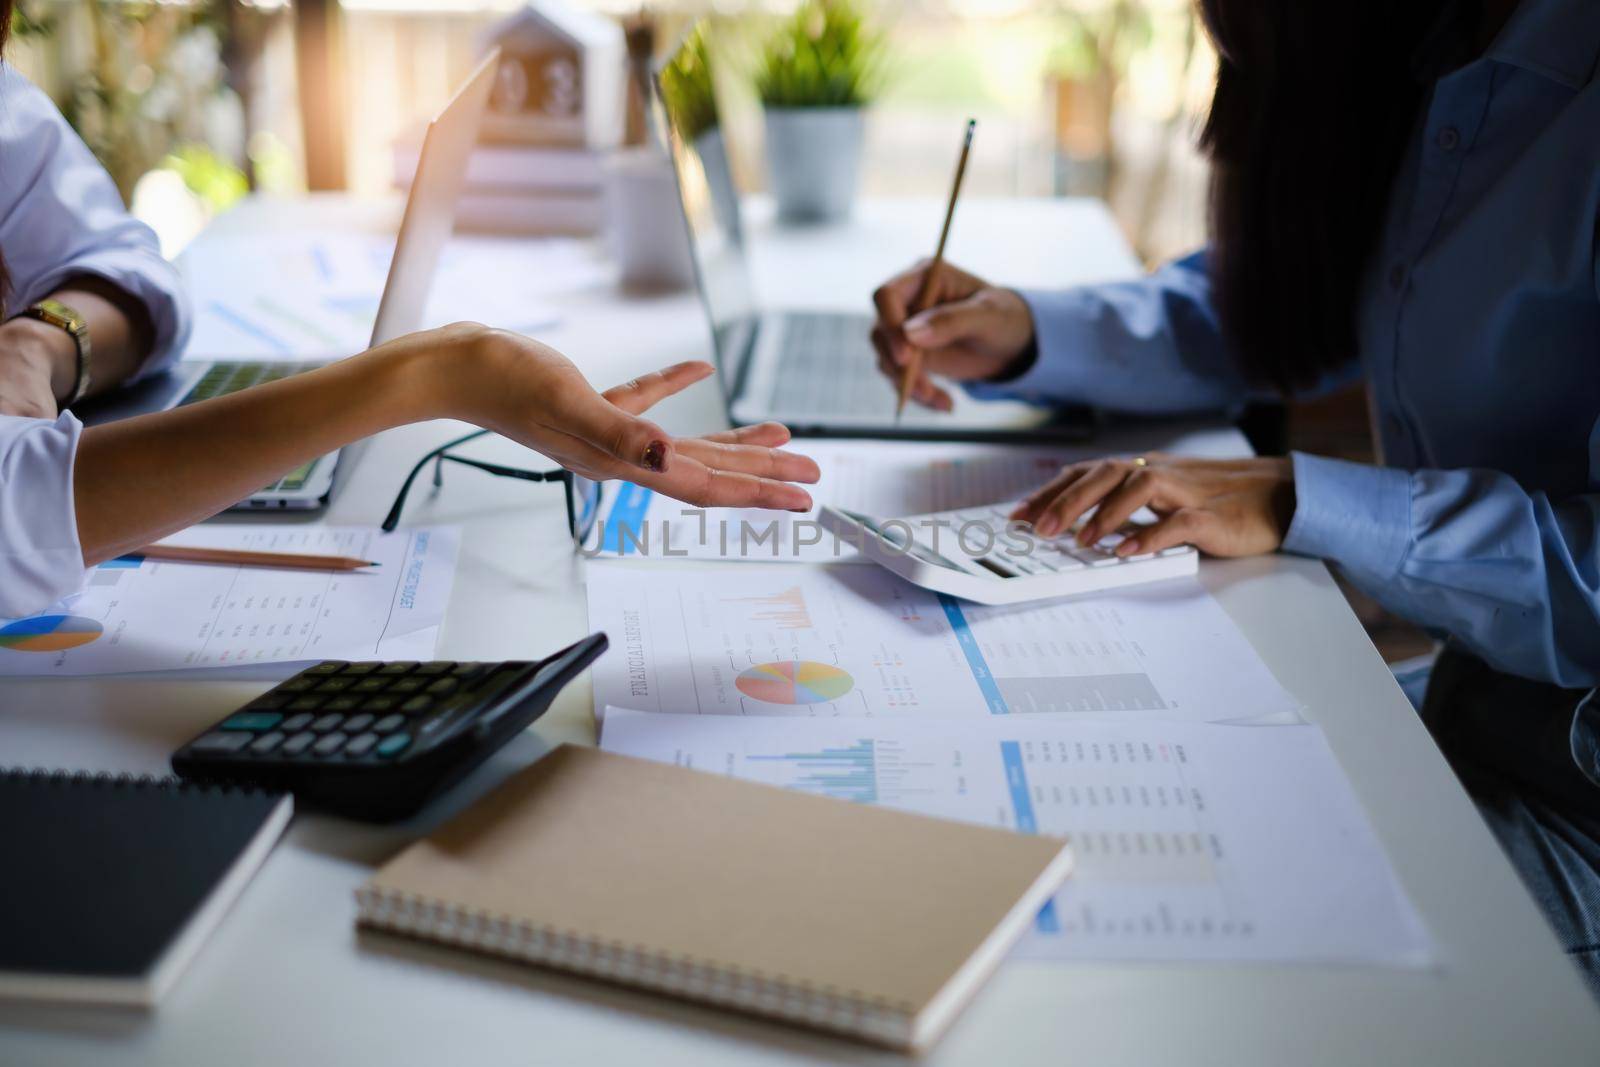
(846, 640)
(1175, 857)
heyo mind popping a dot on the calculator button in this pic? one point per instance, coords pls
(1176, 551)
(1105, 561)
(335, 685)
(468, 670)
(220, 741)
(397, 667)
(356, 723)
(297, 684)
(329, 744)
(307, 703)
(369, 685)
(365, 667)
(266, 743)
(417, 704)
(389, 722)
(252, 720)
(379, 705)
(441, 686)
(326, 723)
(270, 701)
(393, 745)
(341, 704)
(406, 685)
(360, 745)
(298, 744)
(332, 666)
(297, 722)
(434, 668)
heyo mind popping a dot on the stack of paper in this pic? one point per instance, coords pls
(1207, 820)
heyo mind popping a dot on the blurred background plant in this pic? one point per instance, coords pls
(153, 88)
(686, 83)
(826, 54)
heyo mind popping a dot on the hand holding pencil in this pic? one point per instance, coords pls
(938, 319)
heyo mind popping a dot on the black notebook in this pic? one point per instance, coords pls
(112, 883)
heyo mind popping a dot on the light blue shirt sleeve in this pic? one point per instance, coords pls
(61, 216)
(1149, 346)
(1513, 575)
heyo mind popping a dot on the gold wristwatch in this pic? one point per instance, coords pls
(58, 314)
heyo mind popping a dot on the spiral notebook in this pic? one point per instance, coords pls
(865, 921)
(112, 883)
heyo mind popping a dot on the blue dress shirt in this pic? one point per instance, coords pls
(1479, 338)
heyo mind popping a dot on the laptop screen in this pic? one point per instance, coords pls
(696, 138)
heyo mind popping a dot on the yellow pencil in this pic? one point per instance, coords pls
(930, 280)
(237, 557)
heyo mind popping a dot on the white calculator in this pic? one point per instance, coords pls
(980, 554)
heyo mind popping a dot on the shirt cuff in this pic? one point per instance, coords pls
(41, 558)
(147, 278)
(1352, 514)
(1053, 377)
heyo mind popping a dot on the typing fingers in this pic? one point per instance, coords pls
(1138, 489)
(1185, 526)
(1067, 507)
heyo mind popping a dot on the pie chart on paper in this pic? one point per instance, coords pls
(48, 633)
(794, 681)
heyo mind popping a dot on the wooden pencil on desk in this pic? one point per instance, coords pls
(237, 557)
(930, 279)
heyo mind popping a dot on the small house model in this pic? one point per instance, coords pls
(562, 78)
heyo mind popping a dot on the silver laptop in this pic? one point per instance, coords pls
(812, 370)
(424, 230)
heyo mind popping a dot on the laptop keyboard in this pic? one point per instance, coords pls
(826, 366)
(224, 378)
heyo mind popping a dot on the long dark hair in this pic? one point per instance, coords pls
(1309, 120)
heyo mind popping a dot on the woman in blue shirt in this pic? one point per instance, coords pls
(1406, 193)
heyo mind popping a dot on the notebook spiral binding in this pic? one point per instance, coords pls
(824, 1008)
(119, 780)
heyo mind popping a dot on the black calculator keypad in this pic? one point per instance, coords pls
(374, 740)
(347, 710)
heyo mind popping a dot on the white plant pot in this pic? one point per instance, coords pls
(814, 161)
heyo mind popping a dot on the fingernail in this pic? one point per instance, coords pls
(1128, 547)
(917, 325)
(655, 456)
(1087, 535)
(1046, 527)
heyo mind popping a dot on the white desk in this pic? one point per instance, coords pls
(287, 979)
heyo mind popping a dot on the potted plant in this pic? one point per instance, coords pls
(815, 76)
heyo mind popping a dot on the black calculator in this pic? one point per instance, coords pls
(376, 740)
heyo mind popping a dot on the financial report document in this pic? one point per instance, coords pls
(888, 478)
(136, 614)
(848, 640)
(1190, 841)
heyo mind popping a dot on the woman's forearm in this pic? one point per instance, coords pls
(140, 479)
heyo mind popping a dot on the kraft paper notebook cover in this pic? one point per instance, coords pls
(860, 920)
